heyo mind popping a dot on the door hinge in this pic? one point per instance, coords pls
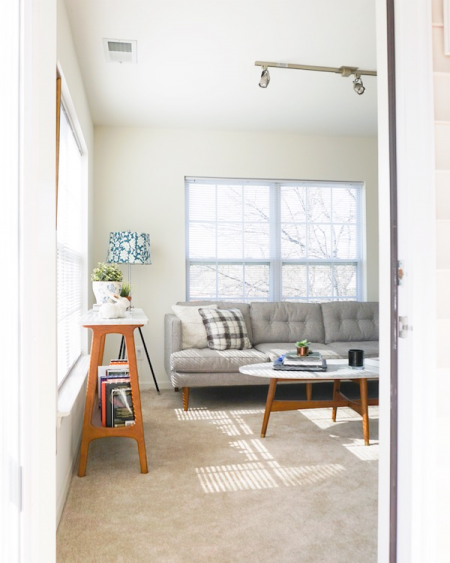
(403, 327)
(400, 272)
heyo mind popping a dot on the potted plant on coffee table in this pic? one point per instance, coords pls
(106, 278)
(302, 347)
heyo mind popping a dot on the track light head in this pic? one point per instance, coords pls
(358, 85)
(265, 78)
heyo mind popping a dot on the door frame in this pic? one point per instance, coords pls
(406, 530)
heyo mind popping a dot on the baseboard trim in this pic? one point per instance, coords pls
(61, 501)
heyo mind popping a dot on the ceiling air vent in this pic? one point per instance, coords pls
(120, 51)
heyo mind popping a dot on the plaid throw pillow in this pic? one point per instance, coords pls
(225, 329)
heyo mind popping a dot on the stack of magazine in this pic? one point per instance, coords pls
(291, 362)
(114, 394)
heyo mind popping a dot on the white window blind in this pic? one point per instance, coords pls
(269, 240)
(70, 249)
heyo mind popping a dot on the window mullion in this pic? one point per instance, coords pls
(275, 242)
(243, 241)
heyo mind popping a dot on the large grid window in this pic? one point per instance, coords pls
(70, 240)
(273, 241)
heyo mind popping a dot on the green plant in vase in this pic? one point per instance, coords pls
(126, 291)
(106, 279)
(106, 272)
(302, 347)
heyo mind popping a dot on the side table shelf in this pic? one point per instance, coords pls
(92, 429)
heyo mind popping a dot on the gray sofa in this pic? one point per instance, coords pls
(273, 328)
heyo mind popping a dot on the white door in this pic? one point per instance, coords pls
(10, 474)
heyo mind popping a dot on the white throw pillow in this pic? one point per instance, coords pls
(193, 332)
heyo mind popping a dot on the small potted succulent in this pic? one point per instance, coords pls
(126, 292)
(106, 279)
(302, 347)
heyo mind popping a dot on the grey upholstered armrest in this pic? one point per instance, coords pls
(172, 338)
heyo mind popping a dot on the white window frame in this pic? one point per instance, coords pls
(69, 108)
(276, 262)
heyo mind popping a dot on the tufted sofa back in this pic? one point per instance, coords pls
(350, 321)
(337, 321)
(286, 322)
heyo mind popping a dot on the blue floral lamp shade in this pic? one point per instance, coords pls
(126, 247)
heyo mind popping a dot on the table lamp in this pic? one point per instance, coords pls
(127, 247)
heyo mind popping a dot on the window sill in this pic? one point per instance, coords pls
(70, 389)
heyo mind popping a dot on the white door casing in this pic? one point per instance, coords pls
(416, 294)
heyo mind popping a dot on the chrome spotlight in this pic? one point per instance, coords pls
(265, 78)
(358, 86)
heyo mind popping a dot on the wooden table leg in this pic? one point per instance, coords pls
(97, 346)
(136, 395)
(365, 409)
(102, 350)
(336, 388)
(270, 398)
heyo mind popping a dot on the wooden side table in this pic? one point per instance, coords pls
(92, 427)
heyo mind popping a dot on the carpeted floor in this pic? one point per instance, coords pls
(217, 492)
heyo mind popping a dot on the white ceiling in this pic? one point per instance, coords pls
(196, 64)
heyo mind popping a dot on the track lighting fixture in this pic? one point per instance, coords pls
(358, 85)
(265, 78)
(344, 71)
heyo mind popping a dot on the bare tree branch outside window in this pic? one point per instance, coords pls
(245, 240)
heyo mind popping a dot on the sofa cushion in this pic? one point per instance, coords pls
(275, 349)
(212, 361)
(225, 329)
(286, 322)
(371, 348)
(193, 333)
(347, 321)
(243, 307)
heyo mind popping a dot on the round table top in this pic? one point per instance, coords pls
(336, 369)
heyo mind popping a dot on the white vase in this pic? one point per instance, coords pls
(102, 289)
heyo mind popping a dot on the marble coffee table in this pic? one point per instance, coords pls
(337, 371)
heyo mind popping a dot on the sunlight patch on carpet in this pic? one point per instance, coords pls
(252, 449)
(322, 417)
(230, 423)
(363, 452)
(262, 475)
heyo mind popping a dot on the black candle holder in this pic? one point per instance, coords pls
(356, 358)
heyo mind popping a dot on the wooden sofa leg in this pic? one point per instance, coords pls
(185, 398)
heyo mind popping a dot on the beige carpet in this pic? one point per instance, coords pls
(217, 492)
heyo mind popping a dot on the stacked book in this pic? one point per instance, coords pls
(114, 394)
(291, 362)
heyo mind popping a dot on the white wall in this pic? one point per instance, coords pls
(69, 433)
(139, 185)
